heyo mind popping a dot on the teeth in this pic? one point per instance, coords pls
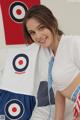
(42, 41)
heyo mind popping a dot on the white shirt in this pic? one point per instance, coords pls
(67, 62)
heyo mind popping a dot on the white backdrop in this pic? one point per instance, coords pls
(67, 13)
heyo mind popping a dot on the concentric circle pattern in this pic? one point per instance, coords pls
(14, 109)
(17, 11)
(20, 62)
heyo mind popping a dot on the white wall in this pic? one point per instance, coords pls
(2, 38)
(67, 13)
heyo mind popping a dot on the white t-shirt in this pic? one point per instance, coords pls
(37, 70)
(17, 70)
(67, 62)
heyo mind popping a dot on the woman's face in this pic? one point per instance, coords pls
(39, 33)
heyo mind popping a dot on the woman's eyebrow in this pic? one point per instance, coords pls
(38, 26)
(29, 30)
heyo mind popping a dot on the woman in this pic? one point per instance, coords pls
(41, 27)
(39, 31)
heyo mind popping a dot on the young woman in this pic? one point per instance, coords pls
(41, 27)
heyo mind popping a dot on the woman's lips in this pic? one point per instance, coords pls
(43, 40)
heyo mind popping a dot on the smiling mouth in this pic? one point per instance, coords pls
(43, 41)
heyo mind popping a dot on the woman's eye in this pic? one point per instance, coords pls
(31, 33)
(41, 28)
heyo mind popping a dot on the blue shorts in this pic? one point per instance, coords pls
(15, 106)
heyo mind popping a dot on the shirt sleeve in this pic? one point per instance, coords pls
(76, 52)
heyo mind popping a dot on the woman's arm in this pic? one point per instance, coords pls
(71, 88)
(59, 106)
(60, 98)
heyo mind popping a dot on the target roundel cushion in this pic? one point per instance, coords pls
(14, 109)
(17, 11)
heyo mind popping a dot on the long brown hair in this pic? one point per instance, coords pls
(44, 16)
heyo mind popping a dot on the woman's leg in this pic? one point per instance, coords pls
(59, 106)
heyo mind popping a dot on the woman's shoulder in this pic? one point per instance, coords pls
(71, 38)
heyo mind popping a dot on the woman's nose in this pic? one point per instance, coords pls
(38, 36)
